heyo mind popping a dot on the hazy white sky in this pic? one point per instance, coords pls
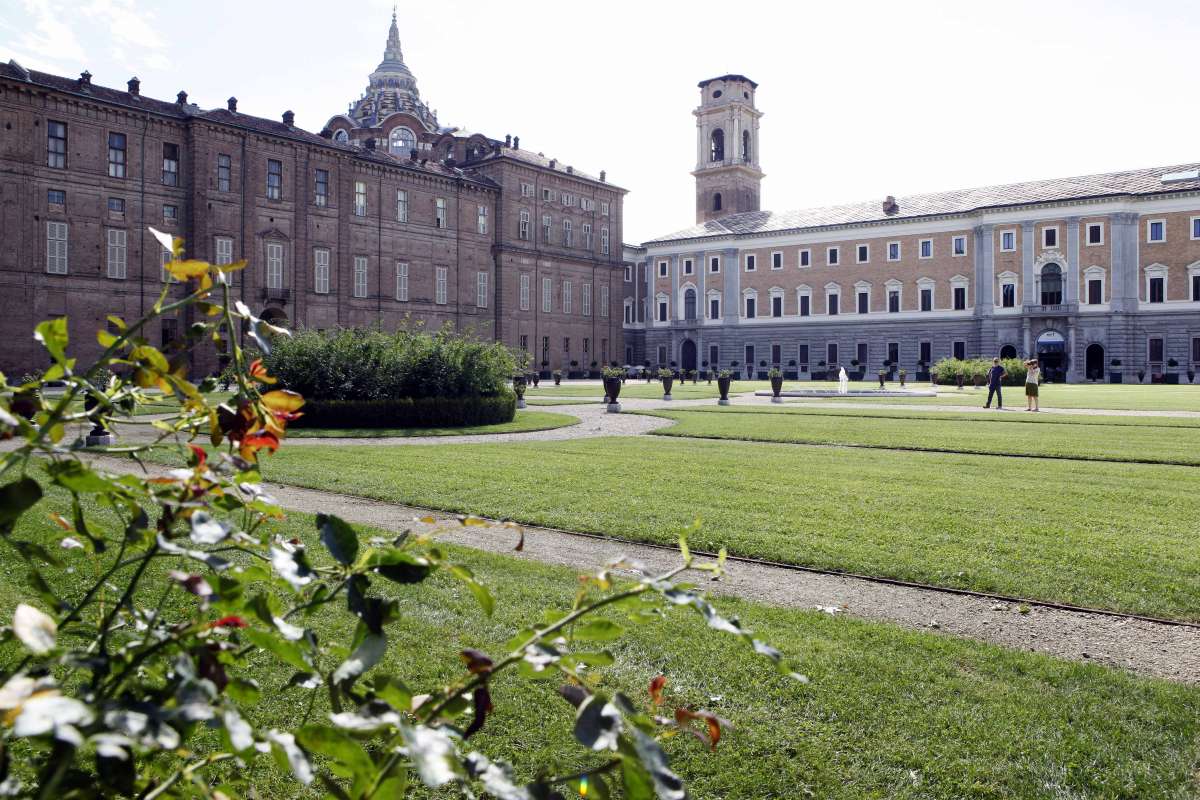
(861, 99)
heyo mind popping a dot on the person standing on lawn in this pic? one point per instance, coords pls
(1032, 374)
(995, 375)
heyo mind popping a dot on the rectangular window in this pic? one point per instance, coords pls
(831, 353)
(1196, 349)
(802, 355)
(56, 144)
(439, 212)
(56, 248)
(526, 190)
(274, 265)
(116, 253)
(776, 354)
(165, 274)
(831, 256)
(568, 234)
(688, 267)
(545, 350)
(893, 251)
(714, 355)
(1008, 241)
(1157, 287)
(116, 155)
(927, 299)
(1156, 349)
(714, 308)
(321, 188)
(628, 274)
(548, 195)
(926, 248)
(57, 197)
(960, 298)
(960, 350)
(585, 300)
(604, 241)
(662, 269)
(587, 236)
(926, 352)
(1050, 236)
(751, 262)
(566, 297)
(524, 292)
(959, 246)
(402, 281)
(893, 301)
(751, 308)
(662, 310)
(748, 351)
(401, 205)
(603, 301)
(863, 253)
(604, 208)
(864, 302)
(360, 276)
(116, 206)
(547, 294)
(1008, 295)
(360, 198)
(223, 249)
(806, 258)
(1196, 287)
(275, 179)
(1095, 291)
(1196, 227)
(481, 290)
(547, 226)
(321, 270)
(863, 354)
(170, 213)
(777, 306)
(776, 260)
(1156, 230)
(440, 289)
(893, 352)
(523, 225)
(481, 220)
(805, 305)
(714, 265)
(524, 342)
(1095, 233)
(170, 169)
(831, 304)
(224, 173)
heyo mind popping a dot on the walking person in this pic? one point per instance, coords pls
(1032, 375)
(995, 375)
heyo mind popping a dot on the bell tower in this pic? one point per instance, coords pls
(727, 171)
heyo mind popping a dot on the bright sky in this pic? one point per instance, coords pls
(861, 99)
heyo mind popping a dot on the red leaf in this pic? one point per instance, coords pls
(198, 452)
(228, 622)
(477, 662)
(483, 706)
(711, 721)
(656, 689)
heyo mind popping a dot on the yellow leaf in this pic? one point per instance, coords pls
(105, 338)
(234, 267)
(282, 400)
(184, 270)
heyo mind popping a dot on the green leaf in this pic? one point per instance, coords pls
(598, 630)
(81, 525)
(590, 786)
(365, 656)
(244, 691)
(284, 650)
(53, 336)
(15, 499)
(634, 780)
(338, 746)
(683, 549)
(393, 692)
(482, 595)
(401, 567)
(601, 659)
(75, 477)
(338, 537)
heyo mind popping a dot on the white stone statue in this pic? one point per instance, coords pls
(843, 382)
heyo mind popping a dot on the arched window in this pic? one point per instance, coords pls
(689, 304)
(746, 146)
(402, 141)
(717, 145)
(341, 136)
(1052, 287)
(717, 201)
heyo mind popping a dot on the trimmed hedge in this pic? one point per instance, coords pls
(409, 412)
(947, 370)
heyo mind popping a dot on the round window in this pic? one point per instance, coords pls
(716, 94)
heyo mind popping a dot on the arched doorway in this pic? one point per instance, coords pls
(1093, 362)
(1052, 355)
(687, 355)
(1008, 351)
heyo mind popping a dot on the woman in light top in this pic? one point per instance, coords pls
(1032, 375)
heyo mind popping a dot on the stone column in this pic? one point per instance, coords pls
(1125, 272)
(1027, 282)
(1071, 273)
(733, 286)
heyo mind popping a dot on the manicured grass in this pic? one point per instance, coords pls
(560, 401)
(889, 713)
(1131, 397)
(524, 422)
(648, 391)
(991, 434)
(1018, 416)
(1117, 536)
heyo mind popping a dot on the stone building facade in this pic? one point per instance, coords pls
(1099, 276)
(384, 218)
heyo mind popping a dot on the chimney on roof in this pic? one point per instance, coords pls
(412, 154)
(890, 206)
(135, 86)
(517, 142)
(553, 162)
(85, 79)
(181, 98)
(508, 140)
(289, 118)
(496, 148)
(570, 170)
(371, 143)
(231, 104)
(603, 174)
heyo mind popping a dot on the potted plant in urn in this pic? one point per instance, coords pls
(1141, 373)
(612, 388)
(724, 378)
(776, 378)
(668, 380)
(557, 375)
(536, 377)
(903, 375)
(882, 377)
(519, 385)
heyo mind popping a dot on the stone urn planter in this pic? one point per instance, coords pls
(776, 379)
(98, 435)
(668, 380)
(723, 381)
(25, 403)
(519, 390)
(557, 377)
(612, 390)
(882, 378)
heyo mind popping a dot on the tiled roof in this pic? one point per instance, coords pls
(539, 160)
(267, 126)
(1138, 182)
(101, 93)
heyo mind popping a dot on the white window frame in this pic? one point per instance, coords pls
(401, 205)
(750, 262)
(116, 240)
(585, 300)
(931, 285)
(776, 258)
(360, 276)
(360, 198)
(274, 252)
(954, 240)
(481, 290)
(566, 297)
(547, 295)
(831, 290)
(861, 287)
(836, 251)
(604, 208)
(523, 225)
(627, 310)
(586, 230)
(1008, 232)
(1194, 229)
(777, 291)
(749, 294)
(804, 290)
(165, 275)
(890, 286)
(1006, 278)
(1155, 271)
(604, 301)
(482, 220)
(964, 283)
(664, 269)
(1149, 226)
(402, 281)
(899, 251)
(713, 294)
(804, 258)
(859, 249)
(689, 266)
(57, 247)
(547, 195)
(526, 190)
(1057, 238)
(662, 309)
(714, 265)
(547, 227)
(321, 257)
(441, 285)
(1193, 270)
(525, 286)
(568, 239)
(439, 212)
(1093, 273)
(604, 241)
(921, 248)
(1087, 234)
(628, 273)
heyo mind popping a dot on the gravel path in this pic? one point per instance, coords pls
(1148, 648)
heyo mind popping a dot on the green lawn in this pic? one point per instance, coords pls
(1108, 535)
(560, 401)
(647, 391)
(524, 422)
(988, 434)
(1121, 396)
(889, 713)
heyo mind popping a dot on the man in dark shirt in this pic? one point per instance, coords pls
(995, 375)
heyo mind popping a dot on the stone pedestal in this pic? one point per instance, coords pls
(666, 397)
(520, 402)
(725, 402)
(98, 439)
(614, 408)
(776, 399)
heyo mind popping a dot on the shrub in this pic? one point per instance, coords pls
(409, 412)
(972, 370)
